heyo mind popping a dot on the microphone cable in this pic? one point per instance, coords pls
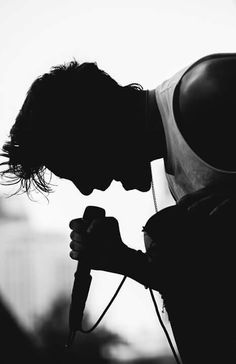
(87, 331)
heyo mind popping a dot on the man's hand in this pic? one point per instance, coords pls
(99, 244)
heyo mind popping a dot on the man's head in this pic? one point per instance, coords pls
(82, 125)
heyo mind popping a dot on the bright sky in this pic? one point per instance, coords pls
(134, 41)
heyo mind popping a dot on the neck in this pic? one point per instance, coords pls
(155, 131)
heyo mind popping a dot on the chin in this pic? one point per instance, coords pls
(145, 189)
(140, 187)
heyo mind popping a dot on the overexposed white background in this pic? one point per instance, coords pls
(134, 41)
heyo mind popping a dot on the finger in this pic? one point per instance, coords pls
(77, 246)
(96, 224)
(74, 255)
(78, 256)
(102, 225)
(77, 236)
(77, 224)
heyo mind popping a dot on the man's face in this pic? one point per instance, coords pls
(96, 169)
(85, 172)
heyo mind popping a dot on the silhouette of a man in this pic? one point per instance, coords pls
(82, 125)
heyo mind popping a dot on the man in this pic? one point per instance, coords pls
(83, 126)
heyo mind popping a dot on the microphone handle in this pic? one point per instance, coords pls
(80, 290)
(82, 281)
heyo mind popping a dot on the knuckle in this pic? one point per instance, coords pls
(76, 246)
(76, 236)
(76, 224)
(73, 255)
(73, 235)
(72, 245)
(72, 223)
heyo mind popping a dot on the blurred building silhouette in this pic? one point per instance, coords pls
(34, 266)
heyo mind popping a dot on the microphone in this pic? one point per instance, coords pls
(82, 281)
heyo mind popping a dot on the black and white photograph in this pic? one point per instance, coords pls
(117, 177)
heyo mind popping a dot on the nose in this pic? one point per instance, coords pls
(84, 189)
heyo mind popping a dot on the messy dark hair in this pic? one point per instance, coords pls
(64, 93)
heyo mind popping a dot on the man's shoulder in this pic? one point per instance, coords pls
(210, 76)
(206, 109)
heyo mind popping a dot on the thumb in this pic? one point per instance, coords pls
(106, 229)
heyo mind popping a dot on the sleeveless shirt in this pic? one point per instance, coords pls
(185, 171)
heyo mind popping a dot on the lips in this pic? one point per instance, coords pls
(87, 190)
